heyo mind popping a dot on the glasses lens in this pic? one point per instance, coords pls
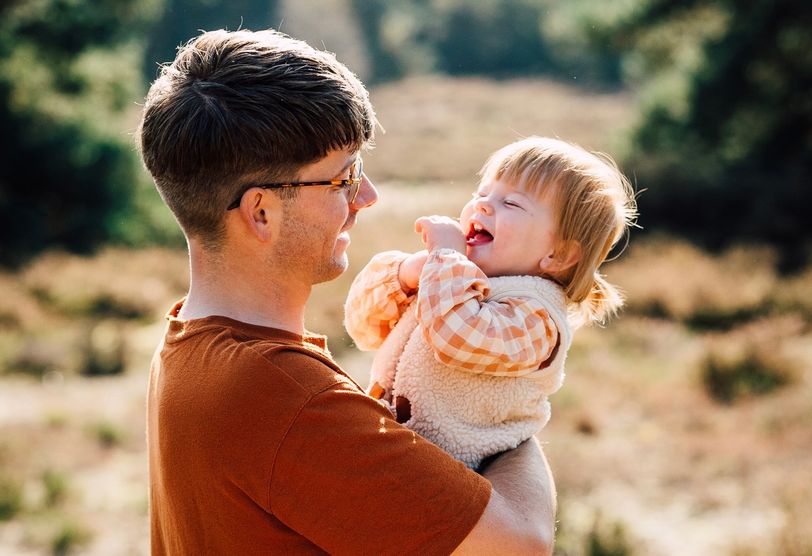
(356, 185)
(356, 175)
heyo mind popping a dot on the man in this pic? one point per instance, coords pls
(258, 442)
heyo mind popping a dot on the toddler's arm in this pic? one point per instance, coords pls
(376, 300)
(509, 337)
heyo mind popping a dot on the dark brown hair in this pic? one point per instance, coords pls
(243, 107)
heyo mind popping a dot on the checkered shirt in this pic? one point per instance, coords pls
(509, 337)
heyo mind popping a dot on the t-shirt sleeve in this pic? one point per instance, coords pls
(354, 481)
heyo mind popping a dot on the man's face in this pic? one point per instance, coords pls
(314, 233)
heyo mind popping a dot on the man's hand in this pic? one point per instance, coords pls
(410, 270)
(439, 232)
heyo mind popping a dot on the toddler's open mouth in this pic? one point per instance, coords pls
(478, 235)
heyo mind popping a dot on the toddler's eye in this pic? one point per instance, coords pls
(477, 195)
(510, 203)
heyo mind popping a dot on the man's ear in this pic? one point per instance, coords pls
(261, 212)
(564, 257)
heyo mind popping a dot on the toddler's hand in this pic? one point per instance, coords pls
(410, 269)
(439, 232)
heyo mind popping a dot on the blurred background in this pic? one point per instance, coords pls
(684, 426)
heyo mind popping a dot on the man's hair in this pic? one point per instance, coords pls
(594, 207)
(240, 108)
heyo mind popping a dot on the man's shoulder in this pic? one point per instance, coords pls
(309, 366)
(266, 358)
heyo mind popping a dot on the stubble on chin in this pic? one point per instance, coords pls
(332, 267)
(330, 272)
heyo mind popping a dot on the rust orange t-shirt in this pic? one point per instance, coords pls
(260, 444)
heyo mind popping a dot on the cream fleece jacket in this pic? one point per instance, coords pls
(473, 416)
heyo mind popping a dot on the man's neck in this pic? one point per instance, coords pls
(254, 296)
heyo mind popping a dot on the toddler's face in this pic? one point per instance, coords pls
(508, 231)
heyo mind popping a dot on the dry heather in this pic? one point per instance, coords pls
(678, 281)
(646, 460)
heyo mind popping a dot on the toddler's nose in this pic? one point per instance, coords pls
(483, 205)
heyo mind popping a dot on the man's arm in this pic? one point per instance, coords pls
(520, 516)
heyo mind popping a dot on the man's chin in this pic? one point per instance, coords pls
(337, 267)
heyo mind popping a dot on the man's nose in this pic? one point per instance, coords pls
(367, 194)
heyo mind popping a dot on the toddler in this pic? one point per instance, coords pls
(473, 332)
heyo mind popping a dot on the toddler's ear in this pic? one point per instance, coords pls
(565, 256)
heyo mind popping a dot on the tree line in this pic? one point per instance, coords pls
(723, 148)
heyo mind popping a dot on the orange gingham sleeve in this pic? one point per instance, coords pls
(376, 301)
(509, 337)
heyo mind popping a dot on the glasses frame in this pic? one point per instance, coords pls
(354, 183)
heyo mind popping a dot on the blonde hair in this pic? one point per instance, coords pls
(594, 207)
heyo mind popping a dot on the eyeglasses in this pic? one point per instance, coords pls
(353, 184)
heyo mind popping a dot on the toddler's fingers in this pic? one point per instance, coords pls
(422, 223)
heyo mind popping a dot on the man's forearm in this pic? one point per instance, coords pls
(520, 518)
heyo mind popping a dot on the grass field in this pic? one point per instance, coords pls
(684, 426)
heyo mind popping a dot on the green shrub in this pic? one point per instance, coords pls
(11, 494)
(104, 351)
(714, 318)
(607, 542)
(56, 487)
(56, 420)
(68, 537)
(752, 373)
(753, 359)
(107, 433)
(30, 362)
